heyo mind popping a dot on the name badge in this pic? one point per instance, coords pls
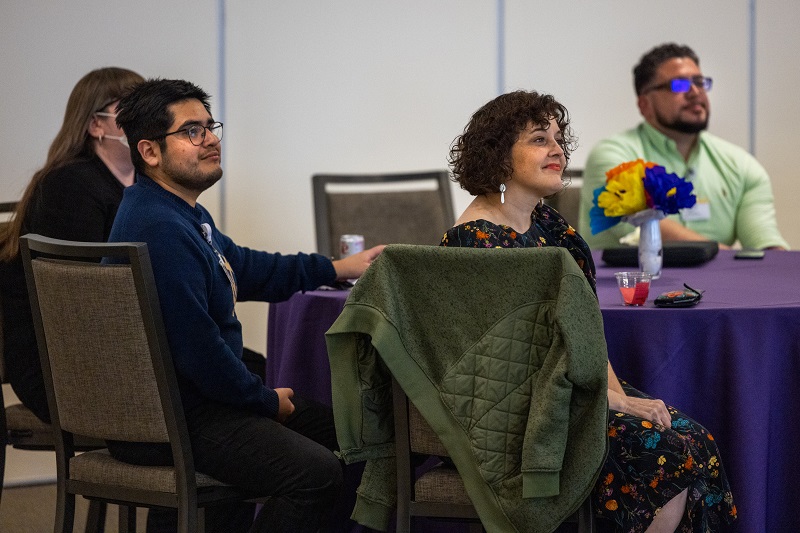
(700, 211)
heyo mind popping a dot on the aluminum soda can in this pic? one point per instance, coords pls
(350, 244)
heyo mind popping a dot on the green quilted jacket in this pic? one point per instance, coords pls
(502, 351)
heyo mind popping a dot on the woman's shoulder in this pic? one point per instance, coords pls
(84, 180)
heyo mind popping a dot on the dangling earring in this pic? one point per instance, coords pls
(502, 193)
(100, 139)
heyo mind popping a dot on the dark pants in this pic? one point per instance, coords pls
(291, 462)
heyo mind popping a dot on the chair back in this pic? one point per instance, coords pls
(408, 208)
(567, 202)
(108, 371)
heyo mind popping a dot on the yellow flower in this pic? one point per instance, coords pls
(662, 460)
(624, 193)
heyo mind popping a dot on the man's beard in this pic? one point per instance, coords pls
(192, 180)
(682, 126)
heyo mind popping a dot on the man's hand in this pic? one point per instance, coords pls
(353, 266)
(285, 405)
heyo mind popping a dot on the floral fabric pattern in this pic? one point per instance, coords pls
(647, 464)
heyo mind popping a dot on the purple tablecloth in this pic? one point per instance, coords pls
(732, 362)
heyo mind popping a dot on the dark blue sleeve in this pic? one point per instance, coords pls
(272, 277)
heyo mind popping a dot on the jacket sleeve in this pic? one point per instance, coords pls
(570, 389)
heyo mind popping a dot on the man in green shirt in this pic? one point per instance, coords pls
(734, 194)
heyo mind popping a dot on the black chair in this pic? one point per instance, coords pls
(407, 208)
(109, 375)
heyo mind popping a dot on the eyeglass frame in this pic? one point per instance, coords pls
(211, 127)
(675, 85)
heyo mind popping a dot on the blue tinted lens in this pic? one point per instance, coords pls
(680, 85)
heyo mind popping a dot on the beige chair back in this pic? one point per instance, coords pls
(410, 208)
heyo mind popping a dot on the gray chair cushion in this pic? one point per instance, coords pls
(99, 467)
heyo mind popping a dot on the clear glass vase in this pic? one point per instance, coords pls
(650, 248)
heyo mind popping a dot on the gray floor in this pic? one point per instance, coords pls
(32, 510)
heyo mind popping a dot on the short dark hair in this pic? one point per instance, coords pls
(143, 113)
(480, 158)
(645, 71)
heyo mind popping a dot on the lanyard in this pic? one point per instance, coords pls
(226, 266)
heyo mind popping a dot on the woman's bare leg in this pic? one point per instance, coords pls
(669, 516)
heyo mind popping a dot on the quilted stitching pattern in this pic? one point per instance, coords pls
(489, 388)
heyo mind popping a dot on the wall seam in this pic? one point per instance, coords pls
(752, 74)
(221, 101)
(501, 46)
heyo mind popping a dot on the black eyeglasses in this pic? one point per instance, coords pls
(197, 132)
(683, 85)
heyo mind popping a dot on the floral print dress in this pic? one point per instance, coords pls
(647, 464)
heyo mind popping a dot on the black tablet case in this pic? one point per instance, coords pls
(676, 254)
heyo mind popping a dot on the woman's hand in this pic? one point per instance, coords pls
(285, 405)
(653, 410)
(354, 265)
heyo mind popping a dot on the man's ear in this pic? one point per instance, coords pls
(645, 107)
(150, 152)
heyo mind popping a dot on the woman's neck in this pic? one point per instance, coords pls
(516, 215)
(120, 165)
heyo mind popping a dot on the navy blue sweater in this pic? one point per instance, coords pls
(197, 293)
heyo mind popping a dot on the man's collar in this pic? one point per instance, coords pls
(663, 142)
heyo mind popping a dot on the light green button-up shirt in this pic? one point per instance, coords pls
(735, 186)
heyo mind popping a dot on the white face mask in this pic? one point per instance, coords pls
(123, 140)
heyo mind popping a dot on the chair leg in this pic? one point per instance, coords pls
(2, 463)
(127, 519)
(586, 517)
(96, 517)
(65, 510)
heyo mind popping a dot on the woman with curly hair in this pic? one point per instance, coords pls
(663, 470)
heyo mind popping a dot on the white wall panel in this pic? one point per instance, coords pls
(357, 86)
(778, 108)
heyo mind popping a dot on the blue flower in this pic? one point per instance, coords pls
(652, 440)
(667, 192)
(680, 423)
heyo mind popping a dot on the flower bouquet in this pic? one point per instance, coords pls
(641, 193)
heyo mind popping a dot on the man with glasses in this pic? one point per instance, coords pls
(734, 194)
(243, 433)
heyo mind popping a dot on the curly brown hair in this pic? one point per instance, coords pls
(480, 158)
